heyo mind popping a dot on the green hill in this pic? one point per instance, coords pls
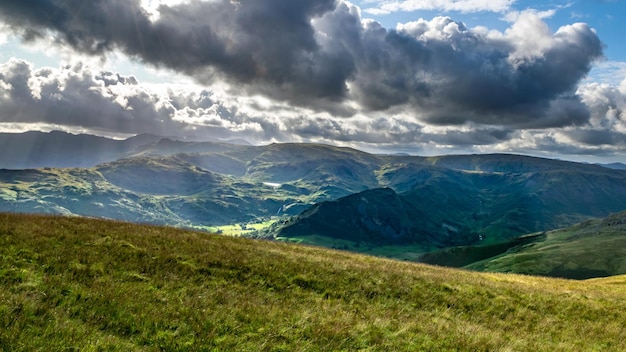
(593, 248)
(85, 284)
(147, 190)
(437, 202)
(159, 176)
(465, 207)
(377, 217)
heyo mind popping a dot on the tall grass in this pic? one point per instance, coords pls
(92, 285)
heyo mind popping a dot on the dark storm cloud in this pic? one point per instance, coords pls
(475, 137)
(321, 54)
(248, 41)
(453, 75)
(597, 137)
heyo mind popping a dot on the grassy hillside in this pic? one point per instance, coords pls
(378, 217)
(83, 284)
(159, 190)
(593, 248)
(438, 201)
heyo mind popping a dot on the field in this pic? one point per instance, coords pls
(92, 285)
(238, 229)
(400, 252)
(593, 248)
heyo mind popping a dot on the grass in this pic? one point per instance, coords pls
(239, 229)
(399, 252)
(593, 248)
(94, 285)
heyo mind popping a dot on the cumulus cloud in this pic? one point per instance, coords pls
(248, 42)
(467, 6)
(449, 74)
(603, 135)
(316, 71)
(320, 54)
(86, 99)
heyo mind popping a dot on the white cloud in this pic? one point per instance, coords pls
(530, 36)
(514, 16)
(4, 34)
(152, 6)
(465, 6)
(439, 86)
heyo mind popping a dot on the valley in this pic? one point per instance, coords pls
(455, 210)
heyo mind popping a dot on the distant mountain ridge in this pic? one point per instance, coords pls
(32, 150)
(616, 166)
(330, 192)
(467, 207)
(56, 149)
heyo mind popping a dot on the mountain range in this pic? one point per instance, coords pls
(394, 205)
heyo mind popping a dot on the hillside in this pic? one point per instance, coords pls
(32, 150)
(56, 149)
(435, 207)
(373, 217)
(85, 284)
(593, 248)
(146, 190)
(438, 202)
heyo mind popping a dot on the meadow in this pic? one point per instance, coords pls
(69, 283)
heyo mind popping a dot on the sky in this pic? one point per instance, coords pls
(424, 77)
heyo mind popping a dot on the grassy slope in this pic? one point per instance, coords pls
(590, 249)
(75, 283)
(149, 190)
(77, 191)
(457, 199)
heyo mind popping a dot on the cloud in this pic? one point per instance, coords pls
(247, 42)
(316, 71)
(85, 99)
(320, 54)
(598, 137)
(449, 74)
(75, 96)
(465, 6)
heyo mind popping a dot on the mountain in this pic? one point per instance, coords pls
(504, 163)
(377, 217)
(32, 150)
(77, 192)
(424, 203)
(617, 166)
(466, 205)
(70, 283)
(593, 248)
(160, 190)
(160, 176)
